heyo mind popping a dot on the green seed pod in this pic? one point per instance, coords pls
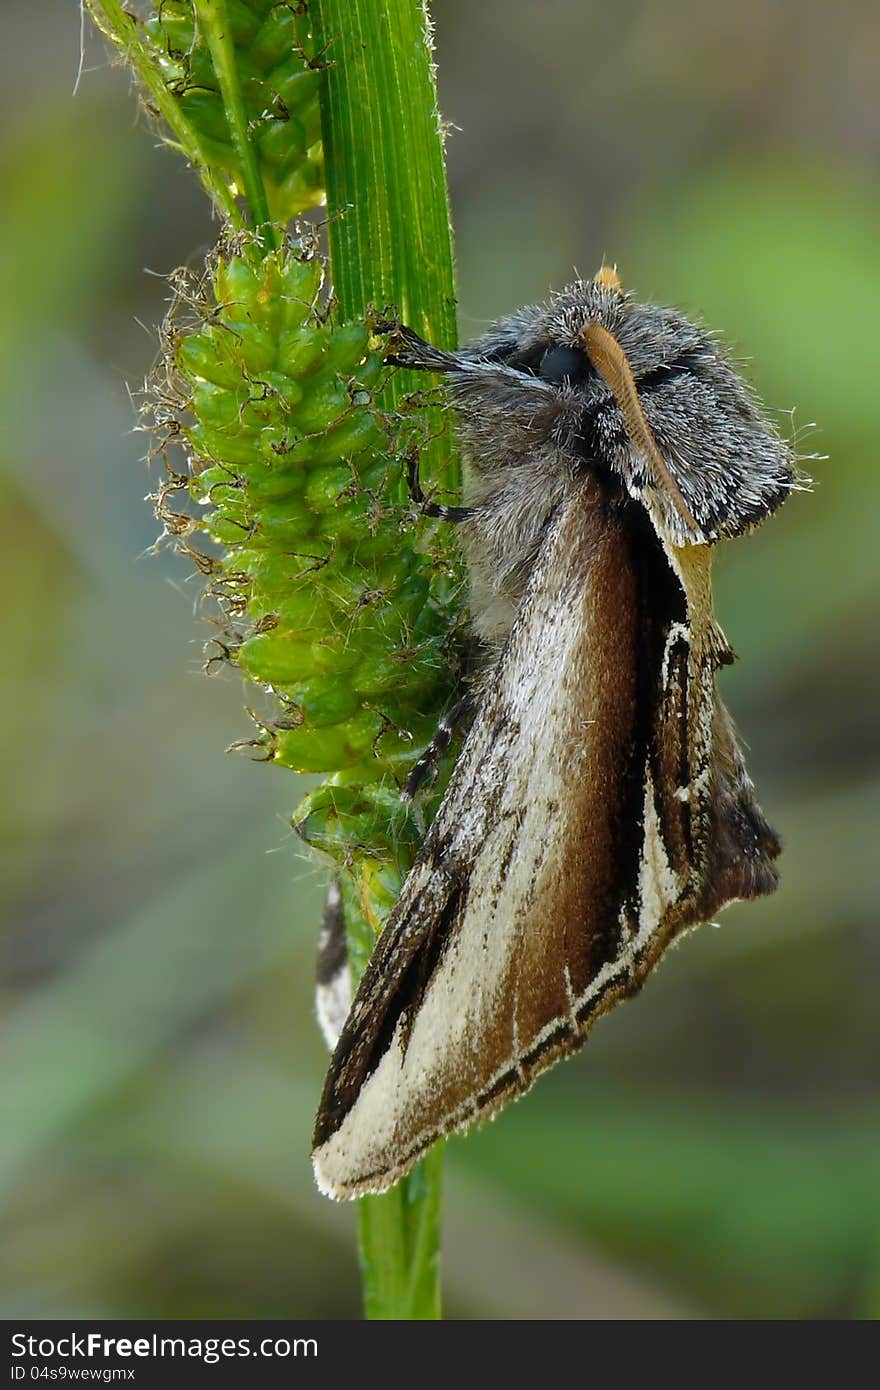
(280, 75)
(333, 593)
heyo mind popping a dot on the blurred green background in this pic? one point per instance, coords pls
(714, 1150)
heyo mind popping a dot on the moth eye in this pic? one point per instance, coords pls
(563, 364)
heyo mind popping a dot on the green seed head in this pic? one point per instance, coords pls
(332, 593)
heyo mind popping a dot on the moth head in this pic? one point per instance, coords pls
(634, 395)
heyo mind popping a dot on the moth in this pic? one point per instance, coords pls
(600, 805)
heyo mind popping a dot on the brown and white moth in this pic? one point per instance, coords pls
(600, 805)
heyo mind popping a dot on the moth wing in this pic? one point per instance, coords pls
(512, 908)
(333, 970)
(573, 843)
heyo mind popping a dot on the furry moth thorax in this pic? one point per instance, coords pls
(600, 805)
(530, 394)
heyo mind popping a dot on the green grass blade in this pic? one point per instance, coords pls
(390, 243)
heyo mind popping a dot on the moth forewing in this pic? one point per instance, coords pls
(483, 879)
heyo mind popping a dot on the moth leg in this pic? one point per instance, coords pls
(438, 745)
(333, 992)
(407, 349)
(429, 508)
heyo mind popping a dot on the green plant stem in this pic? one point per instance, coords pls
(399, 1235)
(390, 242)
(389, 230)
(124, 33)
(214, 24)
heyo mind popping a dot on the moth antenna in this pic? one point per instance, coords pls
(609, 359)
